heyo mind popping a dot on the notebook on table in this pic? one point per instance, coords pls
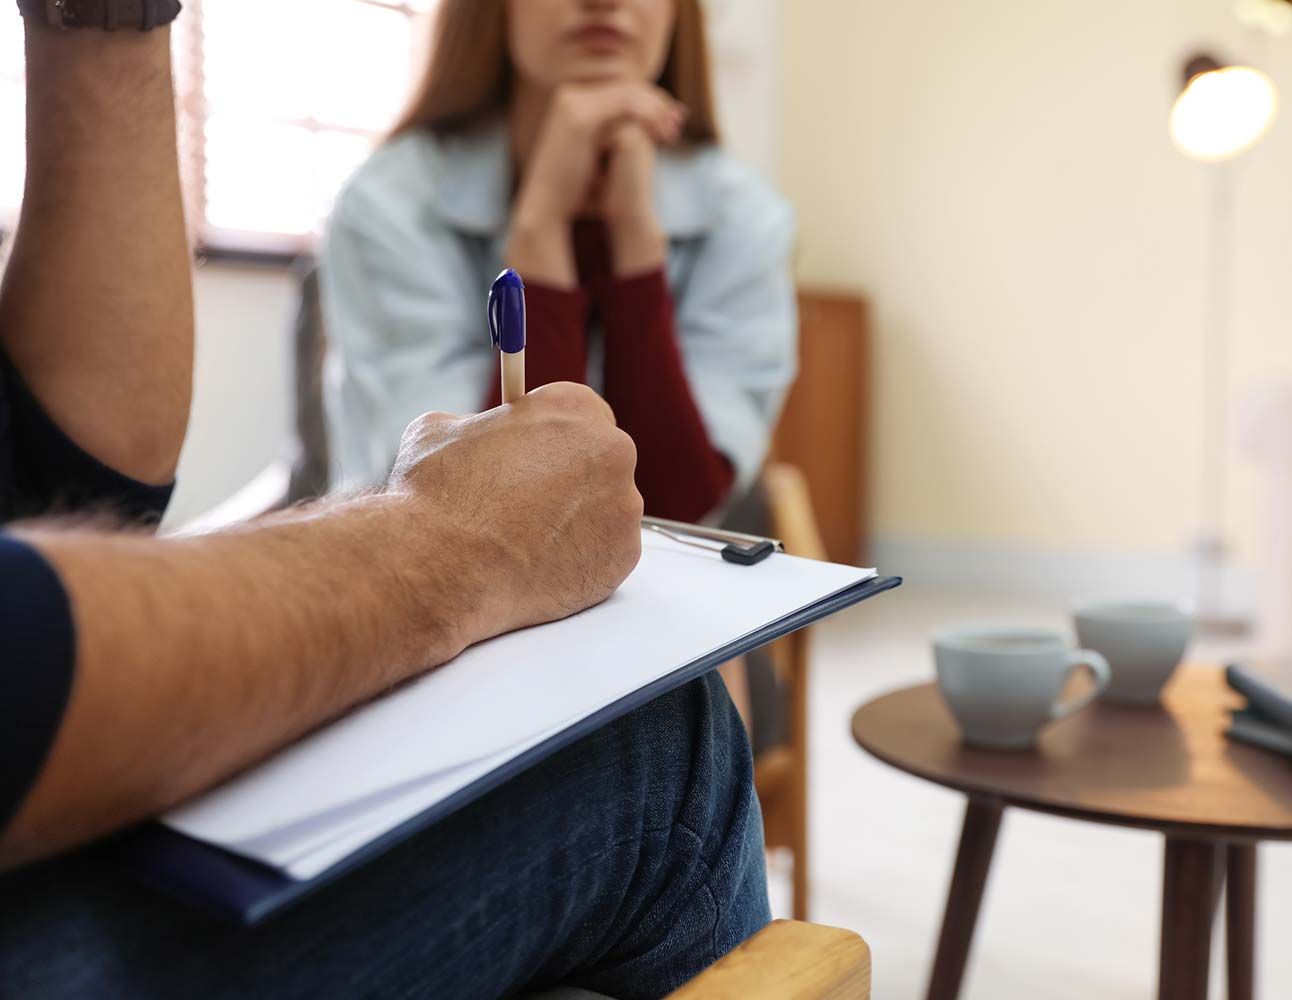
(1266, 722)
(356, 787)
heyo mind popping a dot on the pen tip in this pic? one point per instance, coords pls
(508, 279)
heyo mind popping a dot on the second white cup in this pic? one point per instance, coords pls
(1144, 641)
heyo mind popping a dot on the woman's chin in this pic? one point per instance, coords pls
(603, 70)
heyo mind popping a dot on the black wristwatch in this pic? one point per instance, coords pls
(105, 14)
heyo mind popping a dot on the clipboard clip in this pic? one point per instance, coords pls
(734, 546)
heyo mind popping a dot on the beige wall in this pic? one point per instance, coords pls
(997, 178)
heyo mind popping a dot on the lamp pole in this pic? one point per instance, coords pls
(1217, 363)
(1221, 112)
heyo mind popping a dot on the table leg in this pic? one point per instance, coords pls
(1240, 921)
(1218, 883)
(973, 862)
(1188, 895)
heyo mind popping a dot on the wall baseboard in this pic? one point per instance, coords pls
(1071, 576)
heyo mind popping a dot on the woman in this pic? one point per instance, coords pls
(573, 140)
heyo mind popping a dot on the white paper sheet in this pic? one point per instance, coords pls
(343, 786)
(341, 843)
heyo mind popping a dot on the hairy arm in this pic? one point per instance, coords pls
(197, 656)
(96, 311)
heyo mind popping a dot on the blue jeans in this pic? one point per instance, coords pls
(625, 864)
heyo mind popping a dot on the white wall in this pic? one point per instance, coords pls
(997, 177)
(241, 416)
(745, 39)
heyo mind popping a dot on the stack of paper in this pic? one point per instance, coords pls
(343, 787)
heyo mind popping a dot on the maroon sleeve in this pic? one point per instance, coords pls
(679, 472)
(556, 339)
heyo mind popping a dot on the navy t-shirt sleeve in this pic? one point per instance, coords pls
(42, 471)
(37, 654)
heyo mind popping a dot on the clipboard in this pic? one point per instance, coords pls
(248, 892)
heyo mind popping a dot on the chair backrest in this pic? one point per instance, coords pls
(311, 465)
(823, 429)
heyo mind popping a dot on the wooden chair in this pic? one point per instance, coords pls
(788, 961)
(821, 442)
(781, 773)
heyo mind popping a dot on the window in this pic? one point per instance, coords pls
(279, 101)
(11, 115)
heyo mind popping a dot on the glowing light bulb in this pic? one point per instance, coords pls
(1223, 113)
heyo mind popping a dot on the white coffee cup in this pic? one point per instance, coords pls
(1003, 683)
(1143, 641)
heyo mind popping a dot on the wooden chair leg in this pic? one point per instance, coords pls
(799, 791)
(1240, 921)
(1188, 893)
(973, 863)
(800, 906)
(793, 522)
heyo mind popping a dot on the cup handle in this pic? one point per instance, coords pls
(1103, 675)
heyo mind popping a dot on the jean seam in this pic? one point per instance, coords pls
(707, 877)
(708, 887)
(713, 931)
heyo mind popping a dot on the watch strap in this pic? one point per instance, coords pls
(109, 15)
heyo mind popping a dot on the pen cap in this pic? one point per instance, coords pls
(507, 312)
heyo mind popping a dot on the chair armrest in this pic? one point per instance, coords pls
(788, 960)
(793, 520)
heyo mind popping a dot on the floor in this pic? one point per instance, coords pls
(1071, 909)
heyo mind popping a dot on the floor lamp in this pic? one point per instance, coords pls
(1221, 112)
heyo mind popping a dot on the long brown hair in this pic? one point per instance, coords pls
(469, 76)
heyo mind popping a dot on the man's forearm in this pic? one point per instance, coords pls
(196, 657)
(97, 306)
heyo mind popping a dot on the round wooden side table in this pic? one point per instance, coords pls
(1168, 769)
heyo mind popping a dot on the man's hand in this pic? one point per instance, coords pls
(233, 644)
(541, 492)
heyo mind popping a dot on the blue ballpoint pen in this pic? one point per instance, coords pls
(507, 328)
